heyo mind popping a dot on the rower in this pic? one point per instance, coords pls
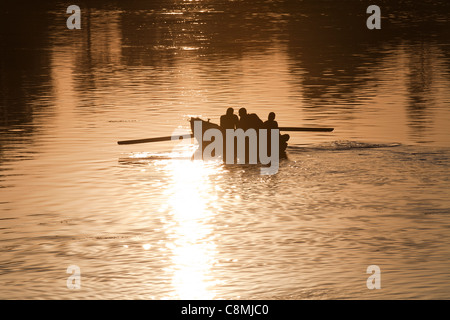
(229, 120)
(249, 120)
(271, 123)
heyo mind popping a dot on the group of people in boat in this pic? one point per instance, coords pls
(251, 121)
(246, 120)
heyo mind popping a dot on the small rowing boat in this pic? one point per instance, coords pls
(199, 135)
(250, 146)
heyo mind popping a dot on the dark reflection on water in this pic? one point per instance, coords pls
(24, 61)
(339, 58)
(24, 73)
(334, 59)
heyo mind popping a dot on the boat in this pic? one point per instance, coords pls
(203, 144)
(243, 142)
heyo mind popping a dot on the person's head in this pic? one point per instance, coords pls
(272, 116)
(242, 112)
(230, 111)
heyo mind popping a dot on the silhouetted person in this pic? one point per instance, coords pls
(249, 120)
(283, 138)
(271, 123)
(229, 120)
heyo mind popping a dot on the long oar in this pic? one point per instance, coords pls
(187, 136)
(157, 139)
(305, 129)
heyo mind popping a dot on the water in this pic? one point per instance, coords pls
(145, 222)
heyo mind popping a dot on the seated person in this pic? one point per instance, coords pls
(271, 123)
(229, 120)
(249, 120)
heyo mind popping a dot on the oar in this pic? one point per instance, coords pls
(157, 139)
(305, 129)
(187, 136)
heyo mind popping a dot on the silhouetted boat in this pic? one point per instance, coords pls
(261, 155)
(210, 125)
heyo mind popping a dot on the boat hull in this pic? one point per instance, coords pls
(206, 125)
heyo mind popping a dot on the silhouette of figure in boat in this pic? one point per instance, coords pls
(271, 123)
(249, 120)
(229, 120)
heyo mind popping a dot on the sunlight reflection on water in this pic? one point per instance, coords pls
(190, 229)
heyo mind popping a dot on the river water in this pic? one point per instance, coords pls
(143, 221)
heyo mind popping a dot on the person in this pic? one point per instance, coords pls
(229, 120)
(271, 123)
(249, 120)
